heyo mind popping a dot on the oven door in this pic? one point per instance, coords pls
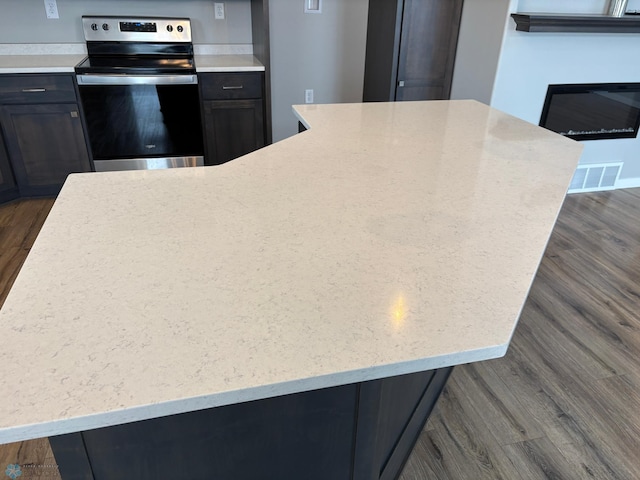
(142, 122)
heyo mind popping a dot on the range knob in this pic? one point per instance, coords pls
(94, 26)
(169, 28)
(105, 26)
(180, 29)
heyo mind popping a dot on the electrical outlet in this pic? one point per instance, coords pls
(308, 96)
(51, 8)
(219, 11)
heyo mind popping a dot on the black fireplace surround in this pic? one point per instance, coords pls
(592, 111)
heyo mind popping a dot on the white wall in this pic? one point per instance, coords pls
(24, 21)
(479, 45)
(324, 52)
(529, 62)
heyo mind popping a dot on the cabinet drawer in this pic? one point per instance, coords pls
(28, 88)
(231, 86)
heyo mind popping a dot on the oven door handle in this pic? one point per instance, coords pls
(123, 79)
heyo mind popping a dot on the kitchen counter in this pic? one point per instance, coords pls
(66, 63)
(62, 58)
(41, 58)
(227, 63)
(387, 239)
(39, 63)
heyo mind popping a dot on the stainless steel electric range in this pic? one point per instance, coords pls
(139, 93)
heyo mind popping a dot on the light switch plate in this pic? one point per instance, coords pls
(312, 6)
(51, 8)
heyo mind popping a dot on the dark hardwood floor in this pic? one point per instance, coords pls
(20, 223)
(564, 403)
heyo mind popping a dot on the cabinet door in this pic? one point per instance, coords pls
(233, 128)
(8, 189)
(45, 143)
(427, 49)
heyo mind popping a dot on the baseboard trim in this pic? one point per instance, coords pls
(628, 183)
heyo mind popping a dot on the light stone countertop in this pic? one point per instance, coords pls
(390, 238)
(41, 57)
(62, 58)
(227, 63)
(40, 63)
(66, 63)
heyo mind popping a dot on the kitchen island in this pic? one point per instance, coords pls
(291, 314)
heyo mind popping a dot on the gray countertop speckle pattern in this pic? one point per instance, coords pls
(389, 238)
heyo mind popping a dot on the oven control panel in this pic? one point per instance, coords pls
(126, 29)
(139, 26)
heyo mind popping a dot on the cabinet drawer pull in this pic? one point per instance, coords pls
(33, 90)
(233, 87)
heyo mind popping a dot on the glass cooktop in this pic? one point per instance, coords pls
(136, 65)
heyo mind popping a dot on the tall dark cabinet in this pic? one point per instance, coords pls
(261, 50)
(411, 47)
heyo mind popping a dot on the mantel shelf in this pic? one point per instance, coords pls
(553, 22)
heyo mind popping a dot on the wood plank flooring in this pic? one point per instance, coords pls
(20, 223)
(564, 403)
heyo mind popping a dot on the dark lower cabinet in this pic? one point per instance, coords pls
(45, 143)
(233, 114)
(233, 128)
(8, 187)
(360, 431)
(43, 131)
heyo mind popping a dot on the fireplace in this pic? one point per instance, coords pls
(593, 111)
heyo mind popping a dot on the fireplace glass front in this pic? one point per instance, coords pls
(593, 111)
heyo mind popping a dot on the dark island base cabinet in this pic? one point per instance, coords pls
(233, 114)
(361, 431)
